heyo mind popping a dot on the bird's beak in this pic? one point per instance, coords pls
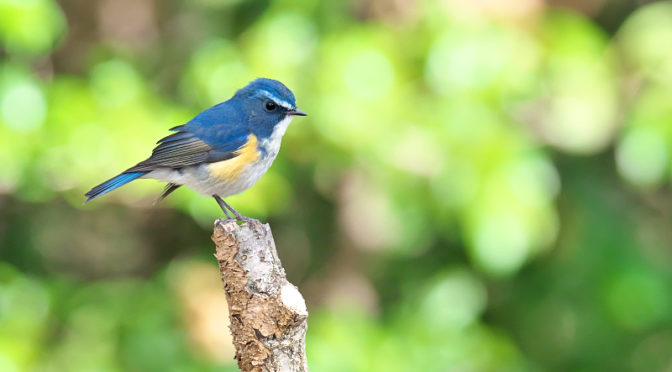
(296, 112)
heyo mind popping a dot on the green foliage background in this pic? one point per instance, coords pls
(480, 186)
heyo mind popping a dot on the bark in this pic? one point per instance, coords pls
(267, 313)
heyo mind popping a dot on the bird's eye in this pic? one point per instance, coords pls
(270, 105)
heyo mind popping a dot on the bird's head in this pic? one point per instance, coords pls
(268, 102)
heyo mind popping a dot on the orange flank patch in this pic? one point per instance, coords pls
(230, 169)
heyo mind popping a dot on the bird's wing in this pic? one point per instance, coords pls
(184, 148)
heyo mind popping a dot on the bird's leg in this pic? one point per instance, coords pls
(223, 205)
(239, 216)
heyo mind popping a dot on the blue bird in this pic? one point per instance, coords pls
(222, 151)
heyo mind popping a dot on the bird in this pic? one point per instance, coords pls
(222, 151)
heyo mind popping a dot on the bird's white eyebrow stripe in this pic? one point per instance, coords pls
(277, 100)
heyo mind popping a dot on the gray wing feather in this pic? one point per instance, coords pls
(181, 149)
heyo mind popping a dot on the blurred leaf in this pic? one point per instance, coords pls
(30, 26)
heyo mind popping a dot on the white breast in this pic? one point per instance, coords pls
(272, 143)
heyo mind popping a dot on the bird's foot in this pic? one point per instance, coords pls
(241, 218)
(247, 219)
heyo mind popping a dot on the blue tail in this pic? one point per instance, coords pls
(112, 184)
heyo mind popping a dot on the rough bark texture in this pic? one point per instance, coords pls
(267, 313)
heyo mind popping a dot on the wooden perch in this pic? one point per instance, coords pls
(267, 313)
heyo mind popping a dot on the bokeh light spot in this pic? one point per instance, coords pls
(30, 25)
(215, 71)
(115, 83)
(368, 75)
(22, 106)
(6, 364)
(460, 297)
(640, 40)
(287, 39)
(501, 243)
(642, 157)
(638, 299)
(579, 93)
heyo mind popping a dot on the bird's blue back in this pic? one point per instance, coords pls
(224, 126)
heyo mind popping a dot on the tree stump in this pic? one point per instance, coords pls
(268, 315)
